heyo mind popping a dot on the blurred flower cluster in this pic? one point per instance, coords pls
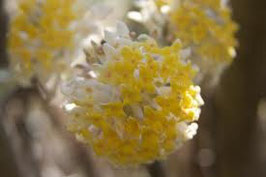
(134, 98)
(40, 37)
(204, 26)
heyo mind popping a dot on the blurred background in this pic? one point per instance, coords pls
(231, 141)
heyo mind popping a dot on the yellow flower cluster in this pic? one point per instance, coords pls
(207, 27)
(39, 35)
(140, 107)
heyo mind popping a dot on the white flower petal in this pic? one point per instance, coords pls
(135, 16)
(185, 53)
(191, 130)
(110, 37)
(109, 50)
(122, 29)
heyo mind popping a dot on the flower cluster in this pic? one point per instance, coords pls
(205, 28)
(138, 103)
(40, 36)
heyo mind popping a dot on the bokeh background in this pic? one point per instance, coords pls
(231, 141)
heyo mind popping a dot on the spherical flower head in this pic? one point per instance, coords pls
(138, 104)
(40, 36)
(205, 26)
